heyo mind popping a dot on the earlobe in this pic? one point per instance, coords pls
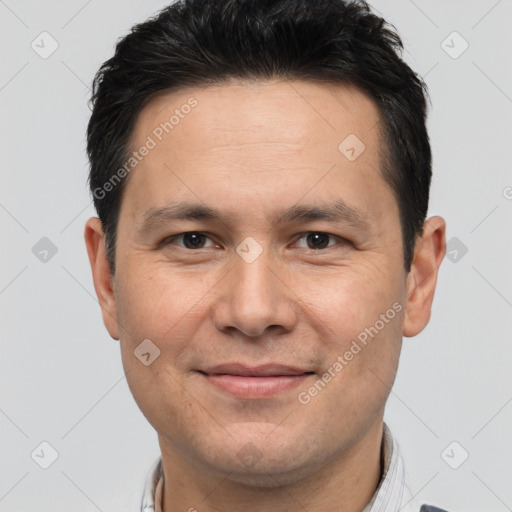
(102, 276)
(421, 282)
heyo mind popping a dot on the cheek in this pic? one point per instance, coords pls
(156, 303)
(351, 301)
(163, 307)
(362, 317)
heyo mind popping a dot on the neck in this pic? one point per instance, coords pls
(344, 484)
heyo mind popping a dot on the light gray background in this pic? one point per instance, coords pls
(61, 376)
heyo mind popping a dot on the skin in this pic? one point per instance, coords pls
(251, 150)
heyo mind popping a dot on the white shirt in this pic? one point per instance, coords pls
(392, 494)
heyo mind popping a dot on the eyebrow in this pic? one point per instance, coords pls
(338, 211)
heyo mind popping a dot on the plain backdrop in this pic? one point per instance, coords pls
(61, 376)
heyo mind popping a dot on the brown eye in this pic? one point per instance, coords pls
(317, 240)
(190, 240)
(193, 240)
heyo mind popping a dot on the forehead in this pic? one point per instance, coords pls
(238, 112)
(246, 135)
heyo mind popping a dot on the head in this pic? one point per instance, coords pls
(261, 173)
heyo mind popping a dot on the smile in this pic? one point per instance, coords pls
(255, 382)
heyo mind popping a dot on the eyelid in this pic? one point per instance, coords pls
(172, 238)
(299, 236)
(336, 237)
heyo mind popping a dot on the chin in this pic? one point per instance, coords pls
(271, 473)
(258, 461)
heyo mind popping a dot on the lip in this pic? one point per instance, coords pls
(262, 370)
(252, 382)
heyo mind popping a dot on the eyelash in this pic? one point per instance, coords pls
(172, 239)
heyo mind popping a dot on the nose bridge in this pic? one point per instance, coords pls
(254, 298)
(252, 281)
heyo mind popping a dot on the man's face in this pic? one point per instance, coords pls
(279, 299)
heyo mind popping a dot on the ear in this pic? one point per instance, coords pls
(429, 252)
(102, 276)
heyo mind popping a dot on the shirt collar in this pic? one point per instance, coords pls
(152, 497)
(388, 496)
(391, 495)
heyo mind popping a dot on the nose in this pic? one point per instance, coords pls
(254, 298)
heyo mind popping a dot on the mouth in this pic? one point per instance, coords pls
(252, 382)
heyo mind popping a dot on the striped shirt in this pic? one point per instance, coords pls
(392, 494)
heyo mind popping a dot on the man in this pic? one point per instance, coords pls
(261, 172)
